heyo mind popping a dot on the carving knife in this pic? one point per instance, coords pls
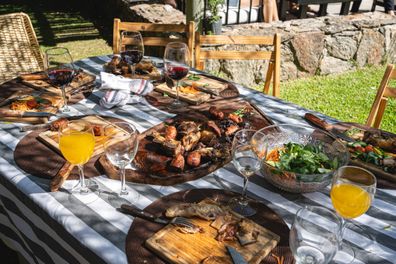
(321, 123)
(236, 257)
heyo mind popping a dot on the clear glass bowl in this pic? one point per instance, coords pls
(276, 136)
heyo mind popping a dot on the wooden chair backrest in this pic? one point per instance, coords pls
(384, 92)
(119, 26)
(19, 48)
(273, 71)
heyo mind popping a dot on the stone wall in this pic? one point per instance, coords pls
(316, 46)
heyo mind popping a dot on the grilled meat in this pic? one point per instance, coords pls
(235, 118)
(380, 139)
(154, 162)
(231, 130)
(246, 233)
(190, 230)
(194, 159)
(213, 126)
(59, 124)
(178, 162)
(190, 140)
(187, 127)
(216, 113)
(171, 147)
(207, 137)
(97, 130)
(170, 132)
(227, 232)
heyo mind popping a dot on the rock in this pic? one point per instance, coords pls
(308, 48)
(289, 71)
(342, 47)
(371, 48)
(157, 13)
(331, 65)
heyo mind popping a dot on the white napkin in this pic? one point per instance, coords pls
(119, 89)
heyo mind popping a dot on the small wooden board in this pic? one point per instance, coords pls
(205, 83)
(51, 138)
(160, 176)
(83, 78)
(162, 95)
(176, 247)
(141, 230)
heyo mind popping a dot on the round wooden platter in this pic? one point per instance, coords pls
(141, 229)
(384, 179)
(36, 158)
(156, 172)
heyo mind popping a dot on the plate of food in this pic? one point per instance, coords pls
(370, 148)
(145, 69)
(189, 146)
(262, 238)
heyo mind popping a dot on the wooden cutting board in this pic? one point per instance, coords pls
(191, 98)
(51, 138)
(141, 229)
(83, 78)
(179, 248)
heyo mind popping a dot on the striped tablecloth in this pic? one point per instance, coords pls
(60, 228)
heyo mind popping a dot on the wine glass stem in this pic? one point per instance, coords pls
(65, 107)
(177, 90)
(83, 186)
(123, 186)
(133, 67)
(245, 184)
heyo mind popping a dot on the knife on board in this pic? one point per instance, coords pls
(321, 123)
(236, 257)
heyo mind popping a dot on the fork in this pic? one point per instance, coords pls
(134, 211)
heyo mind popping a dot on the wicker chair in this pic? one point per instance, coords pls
(19, 49)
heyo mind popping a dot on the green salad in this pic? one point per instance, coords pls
(302, 159)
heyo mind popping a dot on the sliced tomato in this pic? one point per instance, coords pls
(369, 148)
(360, 149)
(32, 104)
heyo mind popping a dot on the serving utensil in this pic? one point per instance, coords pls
(236, 257)
(321, 123)
(136, 212)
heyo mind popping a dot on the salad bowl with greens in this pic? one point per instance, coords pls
(299, 158)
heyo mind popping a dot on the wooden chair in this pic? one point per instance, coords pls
(273, 56)
(119, 26)
(19, 49)
(381, 99)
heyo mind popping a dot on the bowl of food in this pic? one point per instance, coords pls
(299, 158)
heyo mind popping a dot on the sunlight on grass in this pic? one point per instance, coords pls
(347, 97)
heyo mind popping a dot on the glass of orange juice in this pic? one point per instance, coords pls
(352, 192)
(77, 142)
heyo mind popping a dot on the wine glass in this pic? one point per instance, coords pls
(77, 143)
(121, 148)
(60, 70)
(132, 48)
(315, 235)
(352, 192)
(176, 62)
(247, 163)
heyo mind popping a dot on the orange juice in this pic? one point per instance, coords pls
(349, 200)
(77, 147)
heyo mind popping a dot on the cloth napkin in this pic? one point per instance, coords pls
(119, 89)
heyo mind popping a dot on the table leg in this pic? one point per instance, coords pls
(345, 8)
(302, 13)
(323, 10)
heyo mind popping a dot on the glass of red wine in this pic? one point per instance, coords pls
(132, 48)
(60, 70)
(176, 62)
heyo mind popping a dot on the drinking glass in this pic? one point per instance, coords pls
(121, 148)
(352, 192)
(60, 70)
(315, 235)
(77, 143)
(176, 63)
(247, 163)
(132, 48)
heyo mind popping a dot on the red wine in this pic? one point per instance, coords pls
(60, 76)
(132, 56)
(177, 72)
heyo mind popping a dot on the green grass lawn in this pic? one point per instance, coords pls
(347, 97)
(86, 32)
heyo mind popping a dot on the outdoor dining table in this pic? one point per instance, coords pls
(56, 227)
